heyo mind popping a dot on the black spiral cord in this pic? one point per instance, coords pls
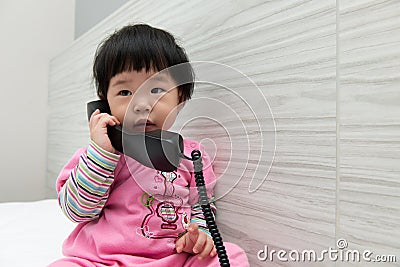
(205, 206)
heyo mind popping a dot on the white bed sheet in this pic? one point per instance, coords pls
(32, 233)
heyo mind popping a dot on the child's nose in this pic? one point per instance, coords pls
(141, 106)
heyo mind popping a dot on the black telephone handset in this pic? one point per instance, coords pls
(158, 149)
(163, 150)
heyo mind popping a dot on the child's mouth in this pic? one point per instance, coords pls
(144, 125)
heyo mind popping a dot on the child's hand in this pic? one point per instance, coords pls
(98, 129)
(196, 242)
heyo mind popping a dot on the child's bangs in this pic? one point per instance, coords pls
(133, 60)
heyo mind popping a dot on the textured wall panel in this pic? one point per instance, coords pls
(369, 192)
(288, 48)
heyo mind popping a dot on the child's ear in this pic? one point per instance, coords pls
(180, 106)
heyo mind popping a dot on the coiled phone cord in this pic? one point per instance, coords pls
(205, 206)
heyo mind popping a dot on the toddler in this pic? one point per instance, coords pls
(126, 213)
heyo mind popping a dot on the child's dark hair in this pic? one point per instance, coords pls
(139, 46)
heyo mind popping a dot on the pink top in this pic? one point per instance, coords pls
(128, 213)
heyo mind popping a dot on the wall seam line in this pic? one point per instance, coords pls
(337, 208)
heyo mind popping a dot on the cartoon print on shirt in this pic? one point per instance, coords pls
(185, 221)
(164, 208)
(166, 211)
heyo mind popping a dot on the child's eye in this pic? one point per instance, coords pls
(157, 90)
(125, 92)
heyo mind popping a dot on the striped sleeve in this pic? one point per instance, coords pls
(198, 217)
(86, 190)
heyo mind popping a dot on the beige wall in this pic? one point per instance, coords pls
(32, 32)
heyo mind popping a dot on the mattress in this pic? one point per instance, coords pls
(32, 233)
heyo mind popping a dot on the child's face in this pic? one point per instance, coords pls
(141, 104)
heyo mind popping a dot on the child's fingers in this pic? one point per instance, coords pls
(213, 252)
(207, 249)
(200, 243)
(97, 111)
(115, 120)
(98, 119)
(193, 228)
(180, 244)
(193, 231)
(107, 120)
(91, 120)
(104, 118)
